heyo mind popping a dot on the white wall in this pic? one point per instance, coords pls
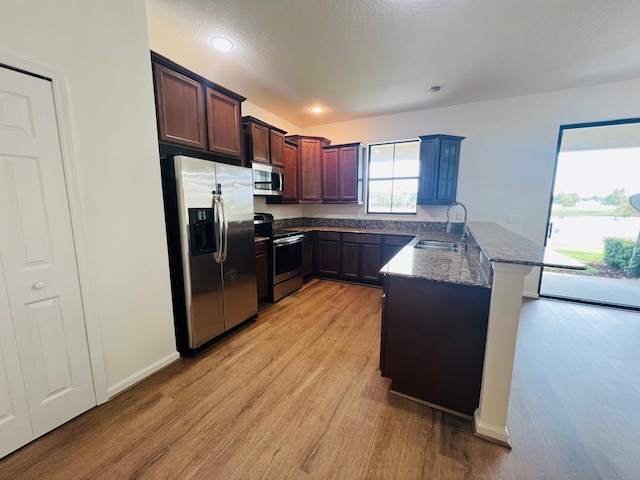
(508, 156)
(102, 48)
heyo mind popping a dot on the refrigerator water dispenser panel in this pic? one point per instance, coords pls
(201, 231)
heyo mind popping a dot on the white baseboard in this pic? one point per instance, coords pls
(530, 294)
(140, 375)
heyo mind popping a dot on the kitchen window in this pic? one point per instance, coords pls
(394, 169)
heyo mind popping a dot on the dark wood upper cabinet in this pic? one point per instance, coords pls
(439, 160)
(180, 108)
(196, 113)
(264, 143)
(309, 167)
(223, 124)
(342, 170)
(290, 158)
(258, 147)
(276, 141)
(330, 176)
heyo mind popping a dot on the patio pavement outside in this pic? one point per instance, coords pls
(614, 291)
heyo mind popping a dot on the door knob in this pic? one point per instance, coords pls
(39, 285)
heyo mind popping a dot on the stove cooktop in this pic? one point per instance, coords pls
(285, 233)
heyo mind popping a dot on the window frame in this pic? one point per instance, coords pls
(368, 177)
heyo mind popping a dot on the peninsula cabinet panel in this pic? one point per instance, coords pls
(433, 342)
(180, 109)
(223, 124)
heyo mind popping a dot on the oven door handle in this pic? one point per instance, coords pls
(288, 240)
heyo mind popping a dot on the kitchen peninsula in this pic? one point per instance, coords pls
(478, 291)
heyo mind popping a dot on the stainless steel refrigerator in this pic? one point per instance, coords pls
(209, 216)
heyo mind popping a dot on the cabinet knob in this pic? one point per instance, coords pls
(39, 285)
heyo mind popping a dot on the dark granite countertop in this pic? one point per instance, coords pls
(487, 242)
(504, 246)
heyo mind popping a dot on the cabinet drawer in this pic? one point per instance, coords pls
(401, 240)
(335, 236)
(361, 238)
(261, 248)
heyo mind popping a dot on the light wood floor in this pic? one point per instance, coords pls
(297, 395)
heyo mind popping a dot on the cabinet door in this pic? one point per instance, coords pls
(259, 143)
(392, 245)
(348, 178)
(262, 270)
(180, 109)
(276, 141)
(310, 171)
(428, 171)
(290, 174)
(447, 171)
(351, 260)
(330, 175)
(307, 255)
(370, 265)
(328, 257)
(223, 123)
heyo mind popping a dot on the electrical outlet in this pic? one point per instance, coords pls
(514, 219)
(460, 216)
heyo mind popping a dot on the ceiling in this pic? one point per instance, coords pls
(362, 58)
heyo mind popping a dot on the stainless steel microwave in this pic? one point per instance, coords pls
(267, 179)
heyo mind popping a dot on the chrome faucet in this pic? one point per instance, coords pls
(464, 227)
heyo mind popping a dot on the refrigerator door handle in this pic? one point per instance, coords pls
(217, 216)
(225, 229)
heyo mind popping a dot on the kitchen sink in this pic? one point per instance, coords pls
(438, 245)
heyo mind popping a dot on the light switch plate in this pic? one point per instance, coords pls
(514, 219)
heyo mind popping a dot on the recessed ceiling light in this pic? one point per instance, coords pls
(221, 44)
(434, 88)
(317, 109)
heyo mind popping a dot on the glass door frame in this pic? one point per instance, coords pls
(553, 186)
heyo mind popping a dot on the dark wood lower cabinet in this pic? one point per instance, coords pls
(370, 264)
(307, 254)
(433, 340)
(328, 253)
(351, 260)
(262, 269)
(392, 245)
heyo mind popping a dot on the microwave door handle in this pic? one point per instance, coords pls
(281, 175)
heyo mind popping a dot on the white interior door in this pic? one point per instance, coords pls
(15, 424)
(38, 256)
